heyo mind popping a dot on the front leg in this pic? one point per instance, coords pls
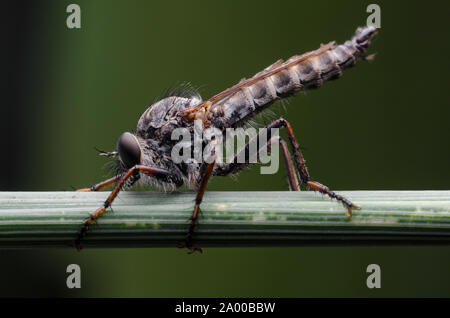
(159, 173)
(101, 185)
(104, 184)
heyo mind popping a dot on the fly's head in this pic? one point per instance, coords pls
(133, 150)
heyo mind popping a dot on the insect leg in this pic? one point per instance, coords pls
(151, 171)
(303, 171)
(234, 166)
(101, 185)
(290, 171)
(198, 200)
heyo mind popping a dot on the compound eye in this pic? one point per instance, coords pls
(129, 150)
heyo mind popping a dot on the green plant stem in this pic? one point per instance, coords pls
(154, 219)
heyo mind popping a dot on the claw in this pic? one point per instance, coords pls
(353, 206)
(325, 190)
(194, 249)
(78, 246)
(191, 249)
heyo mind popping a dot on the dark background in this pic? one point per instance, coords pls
(384, 125)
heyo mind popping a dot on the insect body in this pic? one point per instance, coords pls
(145, 156)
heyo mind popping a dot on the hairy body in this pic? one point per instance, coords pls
(145, 156)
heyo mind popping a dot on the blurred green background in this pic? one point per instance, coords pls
(383, 125)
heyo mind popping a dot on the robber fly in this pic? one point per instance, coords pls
(145, 155)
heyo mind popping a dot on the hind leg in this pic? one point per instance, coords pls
(234, 167)
(303, 171)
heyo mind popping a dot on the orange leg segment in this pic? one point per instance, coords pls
(121, 180)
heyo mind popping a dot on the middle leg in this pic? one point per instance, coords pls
(198, 200)
(235, 166)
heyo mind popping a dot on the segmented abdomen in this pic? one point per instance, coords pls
(283, 79)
